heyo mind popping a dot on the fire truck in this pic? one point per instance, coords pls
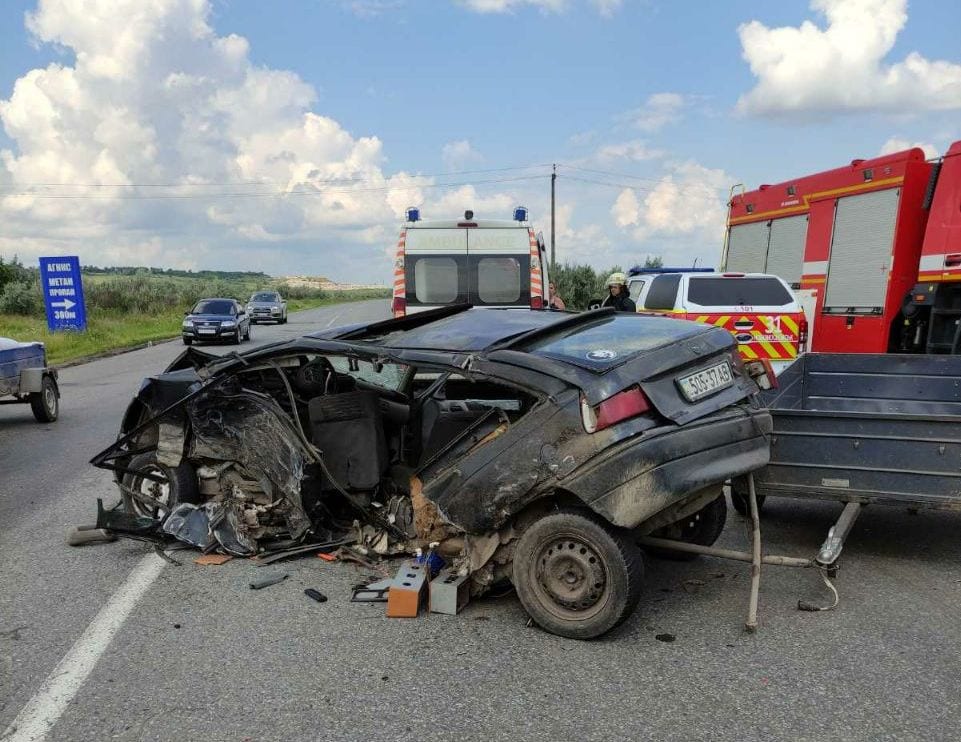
(873, 250)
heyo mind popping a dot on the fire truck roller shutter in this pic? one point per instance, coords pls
(861, 250)
(785, 252)
(747, 248)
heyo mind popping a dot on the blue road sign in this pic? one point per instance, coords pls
(63, 293)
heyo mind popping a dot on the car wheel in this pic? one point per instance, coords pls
(247, 334)
(179, 485)
(45, 403)
(284, 320)
(740, 497)
(576, 576)
(235, 340)
(188, 341)
(703, 528)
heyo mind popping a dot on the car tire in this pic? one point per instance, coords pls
(576, 576)
(235, 340)
(284, 320)
(46, 403)
(740, 497)
(188, 341)
(180, 485)
(702, 528)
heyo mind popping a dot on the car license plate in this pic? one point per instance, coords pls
(704, 383)
(206, 330)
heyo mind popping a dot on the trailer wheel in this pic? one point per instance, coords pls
(702, 528)
(740, 497)
(576, 576)
(46, 403)
(179, 485)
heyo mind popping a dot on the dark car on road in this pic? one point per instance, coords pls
(217, 320)
(267, 306)
(528, 446)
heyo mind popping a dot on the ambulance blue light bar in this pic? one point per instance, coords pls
(413, 214)
(520, 214)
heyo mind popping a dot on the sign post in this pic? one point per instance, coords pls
(63, 293)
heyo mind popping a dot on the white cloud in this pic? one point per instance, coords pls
(635, 150)
(843, 66)
(507, 6)
(372, 8)
(459, 155)
(155, 96)
(658, 110)
(896, 144)
(606, 8)
(689, 200)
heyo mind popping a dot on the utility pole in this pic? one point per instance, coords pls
(553, 236)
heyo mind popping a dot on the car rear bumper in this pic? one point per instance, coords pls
(641, 476)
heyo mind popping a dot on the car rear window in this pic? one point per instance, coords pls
(499, 280)
(435, 280)
(214, 307)
(719, 291)
(663, 293)
(610, 340)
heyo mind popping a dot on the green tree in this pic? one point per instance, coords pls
(653, 261)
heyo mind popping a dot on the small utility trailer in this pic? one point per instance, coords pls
(859, 429)
(26, 379)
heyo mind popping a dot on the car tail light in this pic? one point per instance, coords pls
(802, 334)
(762, 372)
(537, 302)
(399, 306)
(622, 406)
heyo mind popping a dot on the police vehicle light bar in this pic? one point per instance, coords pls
(637, 270)
(413, 214)
(520, 214)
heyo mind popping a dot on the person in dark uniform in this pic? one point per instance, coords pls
(617, 295)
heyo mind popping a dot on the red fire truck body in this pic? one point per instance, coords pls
(876, 243)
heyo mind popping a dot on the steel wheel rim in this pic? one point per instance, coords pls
(158, 490)
(570, 578)
(50, 399)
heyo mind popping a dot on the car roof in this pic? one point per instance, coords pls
(457, 328)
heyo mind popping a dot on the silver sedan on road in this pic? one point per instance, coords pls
(267, 306)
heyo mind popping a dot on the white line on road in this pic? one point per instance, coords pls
(332, 320)
(42, 711)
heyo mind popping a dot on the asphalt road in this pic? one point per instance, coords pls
(192, 653)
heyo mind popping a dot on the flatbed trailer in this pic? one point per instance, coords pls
(25, 378)
(866, 429)
(859, 429)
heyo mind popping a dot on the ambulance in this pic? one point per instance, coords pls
(483, 262)
(758, 309)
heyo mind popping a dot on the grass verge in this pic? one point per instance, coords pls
(109, 330)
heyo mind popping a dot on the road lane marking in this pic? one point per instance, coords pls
(332, 320)
(42, 711)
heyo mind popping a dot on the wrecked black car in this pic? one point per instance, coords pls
(529, 446)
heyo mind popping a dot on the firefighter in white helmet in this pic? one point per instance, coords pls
(617, 295)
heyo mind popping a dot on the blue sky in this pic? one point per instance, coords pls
(663, 106)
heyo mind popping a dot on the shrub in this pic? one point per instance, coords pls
(20, 297)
